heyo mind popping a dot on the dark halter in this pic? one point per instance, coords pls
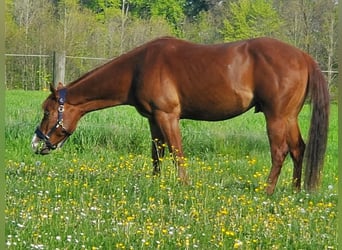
(59, 123)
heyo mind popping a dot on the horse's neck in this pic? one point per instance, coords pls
(101, 88)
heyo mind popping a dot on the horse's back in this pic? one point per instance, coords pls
(199, 79)
(215, 82)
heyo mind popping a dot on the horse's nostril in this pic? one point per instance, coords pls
(45, 151)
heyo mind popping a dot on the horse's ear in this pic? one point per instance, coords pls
(60, 85)
(52, 88)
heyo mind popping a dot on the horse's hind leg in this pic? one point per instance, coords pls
(297, 147)
(276, 129)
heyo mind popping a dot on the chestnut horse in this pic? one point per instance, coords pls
(169, 79)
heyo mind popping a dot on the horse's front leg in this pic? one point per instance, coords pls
(158, 146)
(168, 124)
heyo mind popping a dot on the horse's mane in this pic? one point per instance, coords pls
(115, 59)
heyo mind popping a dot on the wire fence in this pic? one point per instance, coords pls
(36, 72)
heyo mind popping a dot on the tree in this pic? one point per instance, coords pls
(99, 6)
(103, 9)
(108, 28)
(203, 30)
(193, 8)
(27, 32)
(171, 10)
(329, 40)
(312, 26)
(250, 18)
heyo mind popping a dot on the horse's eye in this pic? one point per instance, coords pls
(46, 114)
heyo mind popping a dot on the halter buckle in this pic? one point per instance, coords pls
(61, 108)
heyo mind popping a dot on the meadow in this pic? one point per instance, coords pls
(98, 191)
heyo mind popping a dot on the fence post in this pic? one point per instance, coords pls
(58, 67)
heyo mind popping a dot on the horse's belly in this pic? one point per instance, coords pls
(215, 109)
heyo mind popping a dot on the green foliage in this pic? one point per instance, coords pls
(250, 18)
(104, 9)
(108, 28)
(194, 8)
(170, 10)
(99, 6)
(204, 30)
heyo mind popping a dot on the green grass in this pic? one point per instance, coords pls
(97, 192)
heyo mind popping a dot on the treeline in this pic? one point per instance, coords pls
(108, 28)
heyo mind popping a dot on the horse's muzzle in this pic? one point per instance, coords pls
(39, 146)
(41, 143)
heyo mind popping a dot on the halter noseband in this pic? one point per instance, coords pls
(59, 123)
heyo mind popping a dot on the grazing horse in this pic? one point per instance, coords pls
(168, 79)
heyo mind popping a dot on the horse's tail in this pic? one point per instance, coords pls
(318, 131)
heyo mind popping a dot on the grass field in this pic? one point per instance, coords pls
(97, 192)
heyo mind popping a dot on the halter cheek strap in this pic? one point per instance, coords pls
(59, 123)
(61, 101)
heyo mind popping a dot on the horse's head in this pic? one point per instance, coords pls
(58, 123)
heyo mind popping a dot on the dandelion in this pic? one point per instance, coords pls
(229, 233)
(130, 218)
(223, 211)
(187, 241)
(237, 244)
